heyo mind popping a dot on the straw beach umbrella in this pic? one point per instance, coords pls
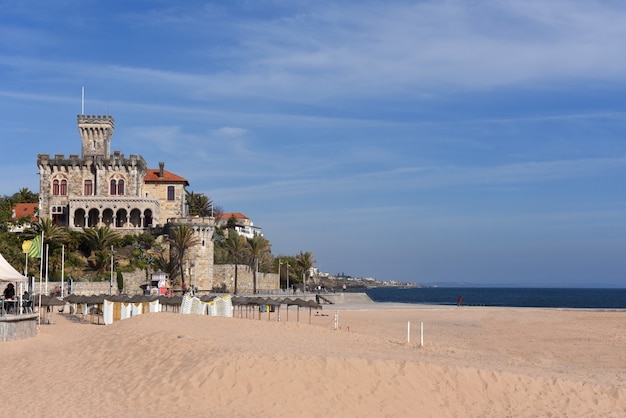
(48, 302)
(312, 304)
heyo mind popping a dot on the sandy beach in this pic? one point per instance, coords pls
(476, 362)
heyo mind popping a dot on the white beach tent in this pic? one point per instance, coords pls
(8, 273)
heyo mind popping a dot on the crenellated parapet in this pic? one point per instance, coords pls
(96, 119)
(119, 162)
(115, 161)
(194, 222)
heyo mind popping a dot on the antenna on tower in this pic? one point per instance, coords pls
(82, 103)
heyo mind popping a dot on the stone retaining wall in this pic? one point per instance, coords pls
(17, 327)
(223, 281)
(224, 275)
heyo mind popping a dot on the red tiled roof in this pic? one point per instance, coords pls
(25, 209)
(152, 176)
(237, 215)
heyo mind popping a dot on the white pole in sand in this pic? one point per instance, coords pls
(62, 268)
(421, 334)
(336, 320)
(408, 331)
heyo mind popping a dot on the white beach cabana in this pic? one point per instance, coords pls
(9, 274)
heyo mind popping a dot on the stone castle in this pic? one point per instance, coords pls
(100, 188)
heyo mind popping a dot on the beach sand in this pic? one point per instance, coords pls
(475, 362)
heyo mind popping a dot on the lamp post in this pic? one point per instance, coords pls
(279, 263)
(195, 277)
(287, 265)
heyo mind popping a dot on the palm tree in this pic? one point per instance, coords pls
(236, 246)
(25, 196)
(199, 204)
(258, 248)
(163, 263)
(182, 238)
(304, 264)
(52, 233)
(99, 240)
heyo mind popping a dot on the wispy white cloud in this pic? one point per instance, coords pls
(407, 179)
(230, 132)
(340, 51)
(432, 45)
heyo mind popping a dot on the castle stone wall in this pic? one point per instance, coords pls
(224, 275)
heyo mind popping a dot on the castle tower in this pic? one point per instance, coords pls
(96, 133)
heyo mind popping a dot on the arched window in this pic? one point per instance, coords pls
(63, 187)
(55, 188)
(117, 185)
(170, 192)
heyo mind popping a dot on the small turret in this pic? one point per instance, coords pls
(96, 133)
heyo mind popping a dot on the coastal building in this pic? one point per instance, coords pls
(22, 214)
(100, 188)
(241, 223)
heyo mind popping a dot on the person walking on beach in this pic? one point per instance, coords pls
(459, 301)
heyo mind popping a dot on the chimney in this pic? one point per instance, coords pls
(161, 167)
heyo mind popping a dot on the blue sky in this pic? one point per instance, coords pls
(451, 141)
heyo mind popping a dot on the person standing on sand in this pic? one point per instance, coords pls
(459, 301)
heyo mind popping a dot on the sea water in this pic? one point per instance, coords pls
(513, 297)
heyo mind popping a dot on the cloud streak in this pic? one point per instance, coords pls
(409, 179)
(336, 51)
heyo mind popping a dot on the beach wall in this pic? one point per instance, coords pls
(77, 288)
(338, 298)
(352, 298)
(224, 275)
(18, 327)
